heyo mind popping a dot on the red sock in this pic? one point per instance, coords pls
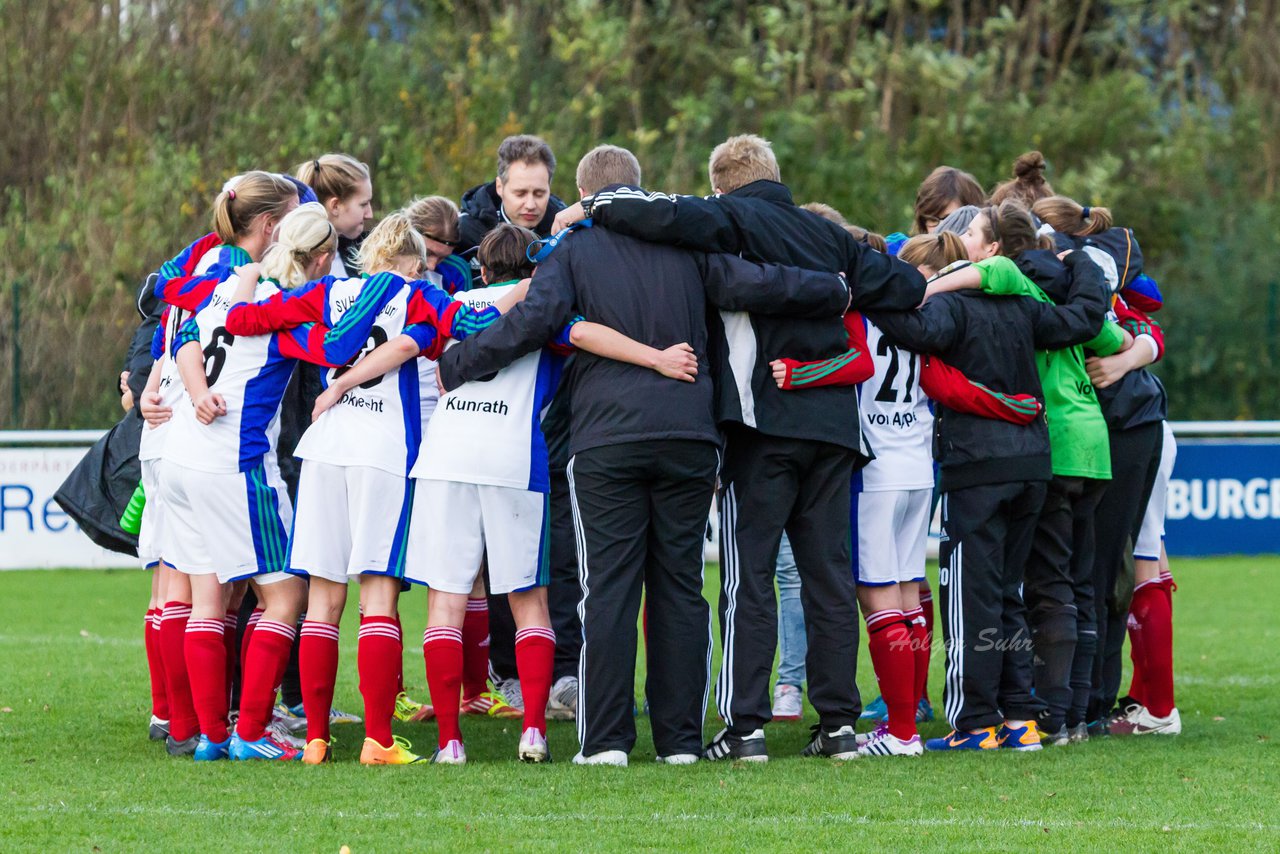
(265, 661)
(378, 657)
(206, 655)
(926, 607)
(155, 666)
(442, 652)
(1151, 606)
(535, 659)
(317, 673)
(894, 663)
(1137, 655)
(920, 644)
(475, 648)
(173, 632)
(400, 660)
(249, 626)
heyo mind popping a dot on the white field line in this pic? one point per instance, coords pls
(69, 640)
(809, 820)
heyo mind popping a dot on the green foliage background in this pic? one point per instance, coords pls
(122, 120)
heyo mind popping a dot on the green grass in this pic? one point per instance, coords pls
(77, 773)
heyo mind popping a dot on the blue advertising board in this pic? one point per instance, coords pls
(1224, 498)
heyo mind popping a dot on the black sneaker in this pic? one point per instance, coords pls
(157, 730)
(1059, 738)
(186, 747)
(744, 748)
(838, 744)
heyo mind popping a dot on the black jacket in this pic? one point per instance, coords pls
(993, 340)
(655, 294)
(482, 213)
(762, 223)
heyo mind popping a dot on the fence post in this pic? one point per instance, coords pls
(16, 389)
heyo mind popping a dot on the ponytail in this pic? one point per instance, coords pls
(246, 197)
(305, 234)
(935, 251)
(1028, 185)
(1010, 225)
(332, 176)
(390, 239)
(435, 217)
(1069, 217)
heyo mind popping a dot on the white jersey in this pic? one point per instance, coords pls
(490, 431)
(250, 372)
(172, 393)
(896, 419)
(378, 423)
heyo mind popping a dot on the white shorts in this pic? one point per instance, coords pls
(892, 528)
(231, 525)
(351, 520)
(455, 525)
(1152, 534)
(151, 527)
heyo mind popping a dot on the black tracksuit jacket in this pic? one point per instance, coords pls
(993, 340)
(762, 223)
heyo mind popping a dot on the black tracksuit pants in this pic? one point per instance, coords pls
(770, 484)
(562, 597)
(640, 510)
(1135, 460)
(987, 533)
(1059, 592)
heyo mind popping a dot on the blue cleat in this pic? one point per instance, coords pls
(981, 739)
(264, 748)
(924, 711)
(209, 751)
(876, 710)
(1022, 737)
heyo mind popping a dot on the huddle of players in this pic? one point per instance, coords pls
(375, 460)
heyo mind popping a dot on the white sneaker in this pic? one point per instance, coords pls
(562, 704)
(509, 690)
(1142, 722)
(787, 705)
(604, 757)
(678, 759)
(533, 747)
(887, 744)
(452, 753)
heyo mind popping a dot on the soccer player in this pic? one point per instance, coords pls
(344, 187)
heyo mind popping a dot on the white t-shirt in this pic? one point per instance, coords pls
(896, 419)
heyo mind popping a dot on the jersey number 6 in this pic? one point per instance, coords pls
(215, 355)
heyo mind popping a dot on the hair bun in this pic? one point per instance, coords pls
(1029, 168)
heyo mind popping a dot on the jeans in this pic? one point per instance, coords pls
(793, 644)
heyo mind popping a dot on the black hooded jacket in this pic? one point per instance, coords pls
(482, 213)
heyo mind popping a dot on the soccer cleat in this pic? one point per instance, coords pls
(264, 748)
(1061, 738)
(533, 747)
(398, 753)
(562, 704)
(1113, 722)
(411, 711)
(186, 747)
(453, 753)
(157, 730)
(876, 710)
(744, 748)
(508, 690)
(489, 703)
(615, 758)
(211, 751)
(1024, 736)
(678, 759)
(979, 739)
(887, 744)
(317, 752)
(281, 733)
(337, 716)
(924, 711)
(1078, 734)
(864, 737)
(1143, 722)
(787, 705)
(286, 717)
(841, 743)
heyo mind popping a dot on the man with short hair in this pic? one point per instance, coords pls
(645, 451)
(789, 455)
(520, 194)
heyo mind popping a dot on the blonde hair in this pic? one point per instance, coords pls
(392, 238)
(934, 251)
(739, 160)
(1069, 217)
(246, 197)
(945, 185)
(332, 176)
(826, 212)
(435, 217)
(605, 165)
(1028, 185)
(305, 234)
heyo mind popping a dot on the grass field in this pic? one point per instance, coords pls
(77, 773)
